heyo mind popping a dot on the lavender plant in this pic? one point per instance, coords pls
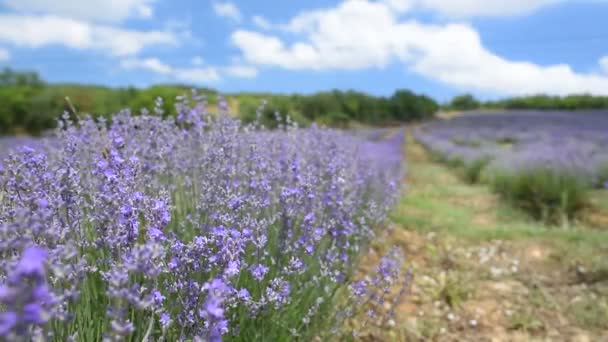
(544, 162)
(194, 227)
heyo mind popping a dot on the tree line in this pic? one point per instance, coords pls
(31, 105)
(537, 102)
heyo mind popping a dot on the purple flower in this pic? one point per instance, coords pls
(157, 297)
(359, 288)
(32, 262)
(309, 218)
(165, 320)
(278, 292)
(233, 268)
(5, 292)
(43, 203)
(259, 271)
(25, 298)
(8, 320)
(243, 294)
(170, 217)
(155, 234)
(34, 313)
(212, 308)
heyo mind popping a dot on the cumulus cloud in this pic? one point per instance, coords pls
(227, 10)
(261, 22)
(188, 74)
(241, 71)
(151, 64)
(471, 8)
(195, 74)
(604, 64)
(39, 31)
(4, 55)
(97, 11)
(376, 37)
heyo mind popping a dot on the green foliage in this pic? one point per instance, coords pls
(590, 313)
(452, 288)
(537, 102)
(405, 105)
(550, 195)
(464, 102)
(32, 106)
(8, 77)
(338, 108)
(275, 108)
(526, 320)
(544, 102)
(602, 175)
(473, 170)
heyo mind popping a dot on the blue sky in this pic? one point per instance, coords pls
(491, 48)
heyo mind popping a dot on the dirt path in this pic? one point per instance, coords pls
(486, 272)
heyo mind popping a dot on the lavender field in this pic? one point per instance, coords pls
(196, 228)
(544, 161)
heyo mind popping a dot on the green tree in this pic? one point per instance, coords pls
(464, 102)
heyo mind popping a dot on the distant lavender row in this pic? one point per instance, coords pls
(573, 142)
(193, 228)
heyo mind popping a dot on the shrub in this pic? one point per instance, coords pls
(464, 102)
(551, 195)
(473, 169)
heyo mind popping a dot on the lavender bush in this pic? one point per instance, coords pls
(545, 162)
(192, 227)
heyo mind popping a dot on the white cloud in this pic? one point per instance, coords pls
(604, 64)
(151, 64)
(39, 31)
(370, 40)
(4, 55)
(103, 11)
(241, 71)
(450, 53)
(227, 10)
(400, 5)
(468, 8)
(196, 74)
(197, 61)
(261, 22)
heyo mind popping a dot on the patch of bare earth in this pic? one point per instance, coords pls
(595, 217)
(491, 291)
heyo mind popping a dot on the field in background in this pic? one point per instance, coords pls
(546, 163)
(487, 271)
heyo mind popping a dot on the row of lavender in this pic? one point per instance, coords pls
(193, 228)
(563, 153)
